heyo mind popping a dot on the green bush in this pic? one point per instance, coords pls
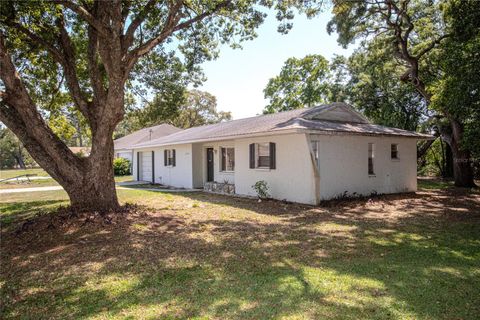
(121, 167)
(261, 188)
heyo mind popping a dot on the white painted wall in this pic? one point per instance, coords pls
(123, 153)
(218, 175)
(198, 158)
(293, 178)
(179, 176)
(344, 165)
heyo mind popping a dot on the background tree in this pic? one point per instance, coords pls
(192, 108)
(12, 152)
(301, 83)
(90, 50)
(415, 32)
(199, 108)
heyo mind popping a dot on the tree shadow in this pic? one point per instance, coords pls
(415, 255)
(16, 212)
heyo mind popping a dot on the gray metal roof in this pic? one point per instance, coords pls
(319, 119)
(145, 135)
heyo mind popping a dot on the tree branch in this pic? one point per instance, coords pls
(70, 70)
(56, 54)
(136, 22)
(85, 14)
(170, 27)
(432, 45)
(20, 114)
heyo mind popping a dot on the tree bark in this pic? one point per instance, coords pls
(111, 55)
(462, 169)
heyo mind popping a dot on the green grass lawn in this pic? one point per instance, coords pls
(10, 173)
(14, 184)
(203, 256)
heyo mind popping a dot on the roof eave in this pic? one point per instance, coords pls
(220, 138)
(349, 133)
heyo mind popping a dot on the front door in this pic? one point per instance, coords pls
(209, 164)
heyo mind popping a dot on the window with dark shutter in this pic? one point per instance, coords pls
(165, 158)
(174, 158)
(252, 155)
(263, 155)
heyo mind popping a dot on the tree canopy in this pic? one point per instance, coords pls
(89, 54)
(301, 83)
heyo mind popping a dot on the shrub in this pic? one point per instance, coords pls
(121, 166)
(261, 188)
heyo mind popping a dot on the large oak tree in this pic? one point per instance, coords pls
(414, 32)
(90, 49)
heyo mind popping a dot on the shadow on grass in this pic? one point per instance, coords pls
(18, 211)
(401, 256)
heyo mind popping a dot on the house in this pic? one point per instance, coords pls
(123, 146)
(304, 155)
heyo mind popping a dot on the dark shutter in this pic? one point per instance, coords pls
(174, 158)
(252, 156)
(138, 166)
(165, 158)
(273, 158)
(153, 166)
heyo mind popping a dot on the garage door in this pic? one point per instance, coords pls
(146, 167)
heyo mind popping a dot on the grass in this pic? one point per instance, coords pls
(203, 256)
(10, 173)
(14, 184)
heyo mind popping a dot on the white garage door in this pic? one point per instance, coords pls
(146, 167)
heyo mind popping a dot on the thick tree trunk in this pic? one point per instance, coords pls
(462, 168)
(19, 158)
(95, 191)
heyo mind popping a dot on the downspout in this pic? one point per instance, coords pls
(316, 172)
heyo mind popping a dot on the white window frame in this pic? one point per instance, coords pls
(396, 150)
(257, 155)
(226, 159)
(169, 157)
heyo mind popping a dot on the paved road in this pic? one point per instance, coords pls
(36, 189)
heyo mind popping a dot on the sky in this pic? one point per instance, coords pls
(237, 78)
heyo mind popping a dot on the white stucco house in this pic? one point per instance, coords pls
(123, 147)
(305, 155)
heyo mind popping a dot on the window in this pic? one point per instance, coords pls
(228, 159)
(263, 155)
(169, 157)
(394, 151)
(371, 149)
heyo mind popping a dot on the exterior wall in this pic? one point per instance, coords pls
(293, 178)
(198, 163)
(179, 176)
(218, 175)
(343, 164)
(124, 153)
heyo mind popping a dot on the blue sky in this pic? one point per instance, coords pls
(237, 78)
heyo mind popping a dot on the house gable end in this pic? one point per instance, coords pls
(336, 112)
